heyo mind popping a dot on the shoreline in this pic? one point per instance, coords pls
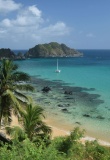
(53, 104)
(57, 131)
(85, 138)
(65, 131)
(71, 110)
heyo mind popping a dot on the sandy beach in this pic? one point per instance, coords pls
(59, 129)
(60, 132)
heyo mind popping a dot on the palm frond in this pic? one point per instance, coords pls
(41, 127)
(13, 99)
(15, 67)
(25, 87)
(9, 94)
(20, 76)
(21, 96)
(32, 122)
(15, 132)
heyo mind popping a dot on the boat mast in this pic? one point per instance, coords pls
(57, 64)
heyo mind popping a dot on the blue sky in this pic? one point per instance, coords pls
(80, 24)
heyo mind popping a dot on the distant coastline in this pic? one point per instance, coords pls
(52, 49)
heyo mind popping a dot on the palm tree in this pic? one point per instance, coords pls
(32, 124)
(10, 87)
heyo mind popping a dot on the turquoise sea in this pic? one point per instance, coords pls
(80, 93)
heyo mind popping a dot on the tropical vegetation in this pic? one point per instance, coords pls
(32, 125)
(60, 148)
(11, 97)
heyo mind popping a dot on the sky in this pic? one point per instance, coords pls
(80, 24)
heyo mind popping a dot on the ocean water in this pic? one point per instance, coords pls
(86, 80)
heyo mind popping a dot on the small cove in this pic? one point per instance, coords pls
(86, 81)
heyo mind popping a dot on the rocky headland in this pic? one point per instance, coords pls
(7, 53)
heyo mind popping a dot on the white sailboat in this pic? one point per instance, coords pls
(57, 70)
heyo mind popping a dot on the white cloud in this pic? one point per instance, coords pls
(25, 17)
(29, 27)
(57, 29)
(90, 35)
(8, 6)
(35, 11)
(2, 31)
(6, 23)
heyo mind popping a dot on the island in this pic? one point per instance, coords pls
(7, 53)
(52, 49)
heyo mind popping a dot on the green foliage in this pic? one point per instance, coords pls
(61, 148)
(70, 145)
(10, 96)
(29, 151)
(17, 134)
(32, 122)
(32, 125)
(52, 49)
(98, 152)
